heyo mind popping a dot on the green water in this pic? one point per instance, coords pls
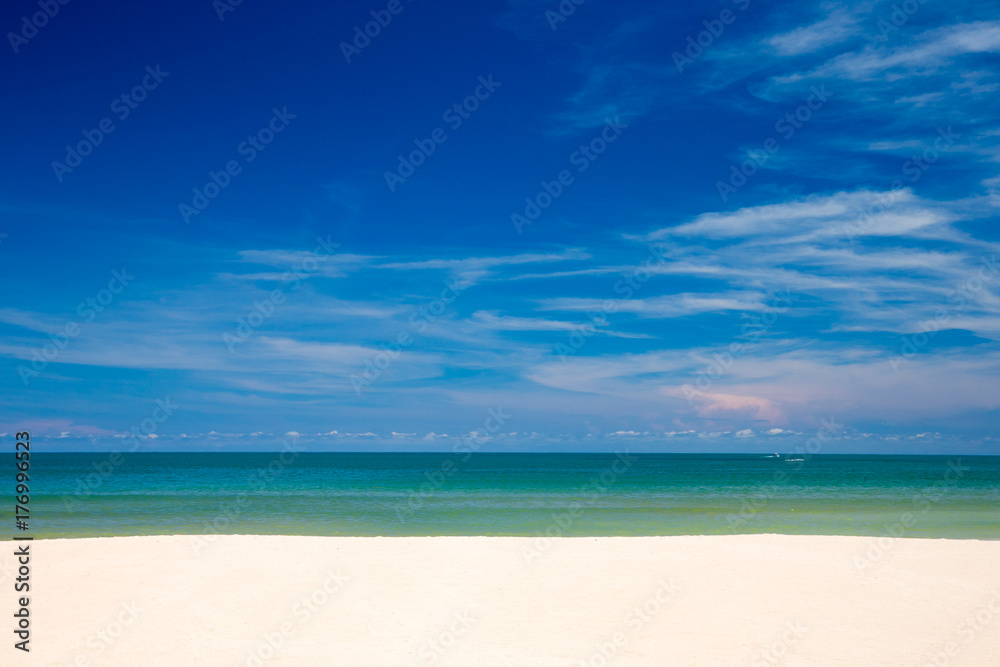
(82, 495)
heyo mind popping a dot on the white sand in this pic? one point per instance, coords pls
(478, 601)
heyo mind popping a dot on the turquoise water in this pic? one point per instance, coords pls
(81, 495)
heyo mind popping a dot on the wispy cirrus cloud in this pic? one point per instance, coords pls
(666, 306)
(298, 264)
(837, 25)
(470, 270)
(579, 327)
(496, 322)
(928, 53)
(823, 217)
(843, 251)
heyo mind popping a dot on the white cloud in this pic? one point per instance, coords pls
(838, 26)
(930, 51)
(493, 321)
(837, 261)
(817, 217)
(300, 264)
(673, 305)
(470, 270)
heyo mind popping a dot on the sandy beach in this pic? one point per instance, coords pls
(729, 600)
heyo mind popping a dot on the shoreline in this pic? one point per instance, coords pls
(37, 539)
(762, 599)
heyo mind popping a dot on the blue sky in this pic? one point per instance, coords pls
(689, 226)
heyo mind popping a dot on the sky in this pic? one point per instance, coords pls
(586, 225)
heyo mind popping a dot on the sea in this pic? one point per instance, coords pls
(468, 493)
